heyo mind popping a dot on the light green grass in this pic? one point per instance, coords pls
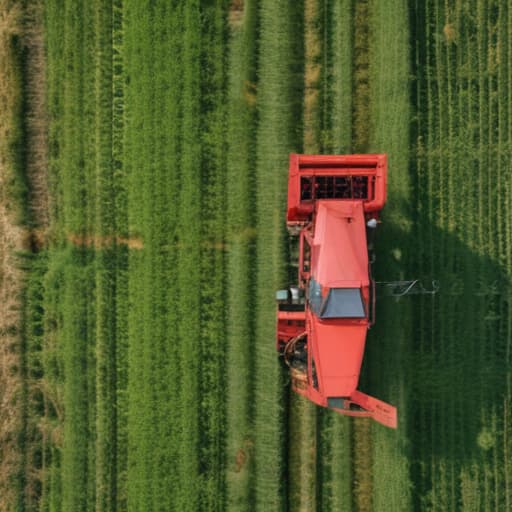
(334, 457)
(240, 231)
(161, 358)
(274, 141)
(389, 133)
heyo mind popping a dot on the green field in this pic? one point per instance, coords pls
(149, 318)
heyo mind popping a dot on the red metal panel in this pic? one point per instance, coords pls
(374, 166)
(332, 216)
(339, 251)
(337, 346)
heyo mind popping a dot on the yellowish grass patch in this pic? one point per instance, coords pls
(11, 240)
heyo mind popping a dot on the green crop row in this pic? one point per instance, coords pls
(71, 43)
(175, 161)
(213, 346)
(170, 128)
(151, 163)
(334, 459)
(105, 267)
(240, 235)
(301, 418)
(278, 133)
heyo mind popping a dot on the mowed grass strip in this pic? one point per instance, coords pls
(275, 140)
(240, 233)
(389, 113)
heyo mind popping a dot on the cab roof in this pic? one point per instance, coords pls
(339, 256)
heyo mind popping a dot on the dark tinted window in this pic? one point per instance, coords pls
(343, 303)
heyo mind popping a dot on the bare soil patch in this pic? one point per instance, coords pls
(105, 242)
(236, 13)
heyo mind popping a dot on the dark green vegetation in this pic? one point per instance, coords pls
(149, 318)
(462, 141)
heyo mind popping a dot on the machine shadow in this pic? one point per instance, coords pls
(443, 358)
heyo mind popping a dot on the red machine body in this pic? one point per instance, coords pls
(333, 205)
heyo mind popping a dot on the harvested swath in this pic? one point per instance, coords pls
(312, 75)
(123, 242)
(389, 114)
(360, 77)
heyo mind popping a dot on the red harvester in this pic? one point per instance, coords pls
(333, 205)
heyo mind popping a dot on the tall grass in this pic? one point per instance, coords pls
(73, 171)
(174, 117)
(105, 271)
(212, 366)
(150, 163)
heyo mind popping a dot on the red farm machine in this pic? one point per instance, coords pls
(333, 206)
